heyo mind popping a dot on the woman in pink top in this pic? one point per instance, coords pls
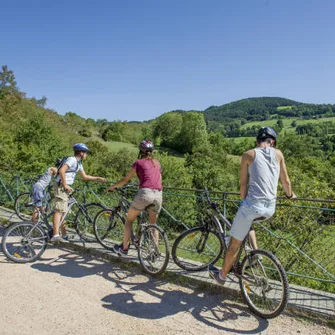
(148, 197)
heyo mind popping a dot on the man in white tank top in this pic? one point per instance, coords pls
(261, 168)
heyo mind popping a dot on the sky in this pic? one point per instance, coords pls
(133, 60)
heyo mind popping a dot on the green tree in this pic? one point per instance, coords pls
(114, 131)
(168, 127)
(193, 133)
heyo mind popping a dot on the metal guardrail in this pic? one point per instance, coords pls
(301, 233)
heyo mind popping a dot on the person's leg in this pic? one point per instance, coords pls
(60, 207)
(152, 216)
(35, 216)
(56, 222)
(230, 257)
(131, 216)
(252, 239)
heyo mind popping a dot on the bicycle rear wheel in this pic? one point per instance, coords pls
(108, 228)
(196, 248)
(22, 210)
(24, 242)
(153, 249)
(264, 284)
(84, 221)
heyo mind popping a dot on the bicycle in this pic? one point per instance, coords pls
(24, 208)
(26, 241)
(20, 204)
(262, 278)
(150, 240)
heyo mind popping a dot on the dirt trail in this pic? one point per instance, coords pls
(67, 293)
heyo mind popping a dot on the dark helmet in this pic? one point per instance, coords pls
(80, 147)
(266, 132)
(146, 146)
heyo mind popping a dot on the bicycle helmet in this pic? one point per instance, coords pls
(266, 132)
(146, 146)
(80, 147)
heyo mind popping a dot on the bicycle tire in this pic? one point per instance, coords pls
(153, 256)
(196, 248)
(84, 222)
(20, 249)
(22, 211)
(261, 275)
(109, 227)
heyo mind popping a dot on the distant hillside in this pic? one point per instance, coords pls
(248, 109)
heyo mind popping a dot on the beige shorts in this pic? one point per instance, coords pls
(146, 198)
(61, 198)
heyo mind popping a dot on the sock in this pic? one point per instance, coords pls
(220, 276)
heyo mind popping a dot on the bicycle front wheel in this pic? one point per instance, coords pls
(84, 221)
(196, 248)
(153, 249)
(108, 228)
(264, 284)
(24, 242)
(22, 209)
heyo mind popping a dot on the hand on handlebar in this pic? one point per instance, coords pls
(68, 189)
(111, 189)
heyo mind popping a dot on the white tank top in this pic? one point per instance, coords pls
(264, 174)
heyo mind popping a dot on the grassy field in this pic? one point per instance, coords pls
(287, 123)
(116, 146)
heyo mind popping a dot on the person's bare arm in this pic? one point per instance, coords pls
(62, 172)
(53, 171)
(123, 181)
(90, 178)
(247, 159)
(284, 178)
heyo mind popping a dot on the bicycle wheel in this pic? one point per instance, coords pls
(264, 284)
(196, 248)
(153, 249)
(24, 242)
(84, 221)
(23, 211)
(108, 228)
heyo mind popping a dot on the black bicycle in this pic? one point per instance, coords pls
(26, 241)
(150, 240)
(263, 280)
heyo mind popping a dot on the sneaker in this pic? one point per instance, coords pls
(55, 238)
(216, 275)
(65, 237)
(118, 248)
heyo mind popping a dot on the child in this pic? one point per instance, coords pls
(39, 188)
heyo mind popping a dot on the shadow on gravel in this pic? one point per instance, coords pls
(206, 306)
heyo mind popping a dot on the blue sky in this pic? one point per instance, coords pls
(137, 59)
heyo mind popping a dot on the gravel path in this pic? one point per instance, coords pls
(67, 293)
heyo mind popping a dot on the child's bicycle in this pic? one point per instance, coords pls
(263, 280)
(150, 240)
(24, 205)
(26, 241)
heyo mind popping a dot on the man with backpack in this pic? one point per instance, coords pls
(67, 171)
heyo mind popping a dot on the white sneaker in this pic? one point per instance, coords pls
(55, 238)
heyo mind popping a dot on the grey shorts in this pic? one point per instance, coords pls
(38, 195)
(247, 213)
(61, 198)
(146, 198)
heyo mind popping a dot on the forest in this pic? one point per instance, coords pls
(195, 148)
